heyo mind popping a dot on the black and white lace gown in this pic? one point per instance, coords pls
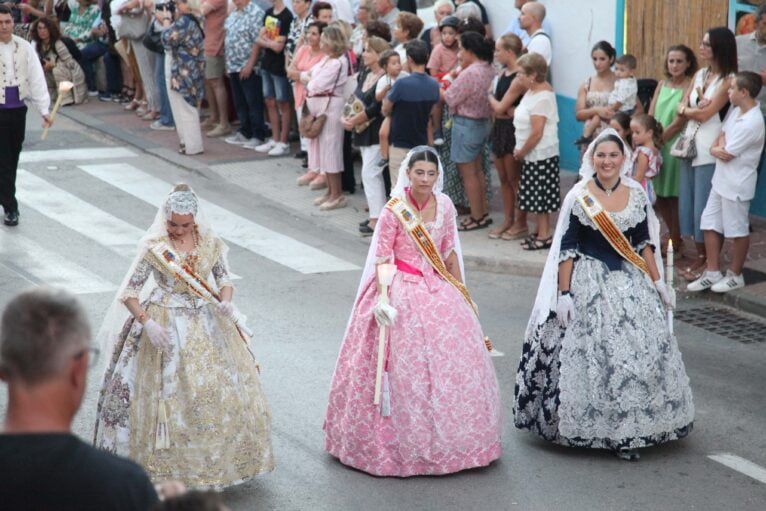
(614, 378)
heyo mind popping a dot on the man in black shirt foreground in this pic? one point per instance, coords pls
(44, 358)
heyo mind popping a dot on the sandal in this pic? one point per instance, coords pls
(474, 225)
(509, 236)
(538, 244)
(484, 219)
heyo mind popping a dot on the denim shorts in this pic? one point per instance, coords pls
(275, 86)
(469, 136)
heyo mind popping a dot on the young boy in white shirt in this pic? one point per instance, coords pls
(737, 151)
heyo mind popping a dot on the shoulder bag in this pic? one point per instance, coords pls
(685, 147)
(311, 125)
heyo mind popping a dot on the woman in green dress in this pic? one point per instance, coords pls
(680, 66)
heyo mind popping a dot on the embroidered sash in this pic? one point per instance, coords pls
(609, 230)
(426, 245)
(171, 264)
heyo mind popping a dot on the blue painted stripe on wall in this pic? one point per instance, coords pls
(570, 130)
(758, 206)
(619, 24)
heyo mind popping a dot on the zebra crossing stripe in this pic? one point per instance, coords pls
(245, 233)
(81, 216)
(84, 153)
(41, 266)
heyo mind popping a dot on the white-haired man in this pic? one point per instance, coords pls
(44, 356)
(387, 12)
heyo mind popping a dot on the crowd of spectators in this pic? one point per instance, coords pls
(373, 79)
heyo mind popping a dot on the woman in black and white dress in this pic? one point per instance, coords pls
(600, 367)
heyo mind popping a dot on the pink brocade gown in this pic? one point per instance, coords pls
(445, 403)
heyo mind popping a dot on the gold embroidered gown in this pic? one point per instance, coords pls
(204, 390)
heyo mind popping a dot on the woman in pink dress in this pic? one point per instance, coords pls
(325, 83)
(440, 407)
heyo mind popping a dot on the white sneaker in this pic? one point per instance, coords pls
(729, 283)
(706, 281)
(237, 139)
(280, 149)
(252, 143)
(266, 146)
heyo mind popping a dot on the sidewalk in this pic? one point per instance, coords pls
(274, 178)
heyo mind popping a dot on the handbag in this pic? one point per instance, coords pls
(133, 24)
(153, 40)
(685, 147)
(310, 126)
(352, 107)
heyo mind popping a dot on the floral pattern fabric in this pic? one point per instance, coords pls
(652, 169)
(205, 389)
(184, 43)
(80, 24)
(614, 378)
(453, 181)
(445, 413)
(242, 28)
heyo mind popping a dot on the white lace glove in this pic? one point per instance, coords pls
(157, 335)
(225, 308)
(668, 295)
(384, 313)
(565, 309)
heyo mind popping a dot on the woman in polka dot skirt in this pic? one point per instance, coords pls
(537, 147)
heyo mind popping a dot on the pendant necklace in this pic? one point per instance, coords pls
(607, 191)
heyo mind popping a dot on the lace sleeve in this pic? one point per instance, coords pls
(639, 235)
(220, 269)
(137, 280)
(388, 225)
(447, 244)
(571, 239)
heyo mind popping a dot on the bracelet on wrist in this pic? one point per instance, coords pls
(565, 293)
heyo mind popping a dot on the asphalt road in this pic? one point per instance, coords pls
(299, 319)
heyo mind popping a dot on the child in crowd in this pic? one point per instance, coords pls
(443, 60)
(737, 151)
(620, 123)
(392, 65)
(647, 160)
(623, 97)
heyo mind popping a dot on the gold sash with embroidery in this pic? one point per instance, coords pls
(426, 245)
(609, 230)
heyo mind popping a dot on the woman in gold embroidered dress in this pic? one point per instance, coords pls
(181, 393)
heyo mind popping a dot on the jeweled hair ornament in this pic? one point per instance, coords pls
(181, 203)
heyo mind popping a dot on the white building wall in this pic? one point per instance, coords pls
(576, 24)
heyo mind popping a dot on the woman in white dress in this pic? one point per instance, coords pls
(181, 393)
(600, 366)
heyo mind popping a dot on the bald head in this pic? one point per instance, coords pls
(534, 9)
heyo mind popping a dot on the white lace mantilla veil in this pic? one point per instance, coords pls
(398, 191)
(547, 292)
(180, 200)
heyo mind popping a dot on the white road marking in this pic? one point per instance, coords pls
(81, 216)
(29, 259)
(77, 214)
(85, 153)
(245, 233)
(741, 465)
